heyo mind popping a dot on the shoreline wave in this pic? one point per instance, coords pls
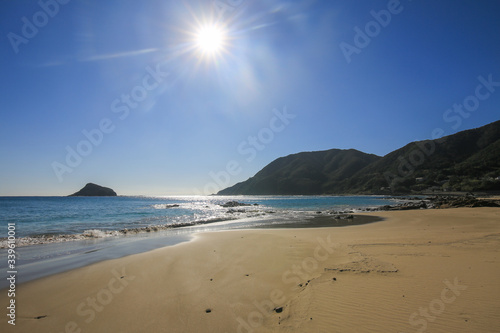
(131, 216)
(99, 234)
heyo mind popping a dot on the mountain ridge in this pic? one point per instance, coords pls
(465, 161)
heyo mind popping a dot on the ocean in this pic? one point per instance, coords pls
(54, 234)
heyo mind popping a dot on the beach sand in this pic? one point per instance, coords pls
(416, 271)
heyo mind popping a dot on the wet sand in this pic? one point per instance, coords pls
(416, 271)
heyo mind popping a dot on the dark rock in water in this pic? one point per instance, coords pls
(93, 190)
(343, 217)
(232, 211)
(234, 204)
(463, 201)
(172, 206)
(441, 202)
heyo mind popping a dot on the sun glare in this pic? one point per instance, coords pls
(210, 39)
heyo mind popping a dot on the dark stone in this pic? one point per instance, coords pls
(93, 190)
(443, 202)
(232, 211)
(343, 217)
(234, 204)
(461, 201)
(172, 206)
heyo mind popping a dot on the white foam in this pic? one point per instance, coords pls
(95, 233)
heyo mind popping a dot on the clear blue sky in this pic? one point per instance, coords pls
(164, 119)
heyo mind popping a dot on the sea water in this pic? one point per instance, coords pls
(50, 216)
(54, 234)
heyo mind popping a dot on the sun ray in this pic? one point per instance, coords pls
(210, 39)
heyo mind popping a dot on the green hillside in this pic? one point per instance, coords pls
(465, 161)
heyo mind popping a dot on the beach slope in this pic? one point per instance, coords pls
(416, 271)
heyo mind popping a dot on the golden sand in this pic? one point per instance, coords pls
(417, 271)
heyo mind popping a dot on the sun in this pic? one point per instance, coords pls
(210, 39)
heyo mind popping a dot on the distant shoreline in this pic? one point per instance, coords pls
(385, 194)
(413, 202)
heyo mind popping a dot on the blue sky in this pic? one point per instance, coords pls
(113, 92)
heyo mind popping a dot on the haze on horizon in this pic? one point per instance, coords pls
(167, 97)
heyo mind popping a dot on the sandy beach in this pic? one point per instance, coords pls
(416, 271)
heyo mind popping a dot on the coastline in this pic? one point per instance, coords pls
(148, 215)
(42, 260)
(370, 278)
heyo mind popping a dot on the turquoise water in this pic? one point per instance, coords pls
(38, 216)
(64, 233)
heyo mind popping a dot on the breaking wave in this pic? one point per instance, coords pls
(97, 233)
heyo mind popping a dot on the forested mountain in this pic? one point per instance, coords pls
(465, 161)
